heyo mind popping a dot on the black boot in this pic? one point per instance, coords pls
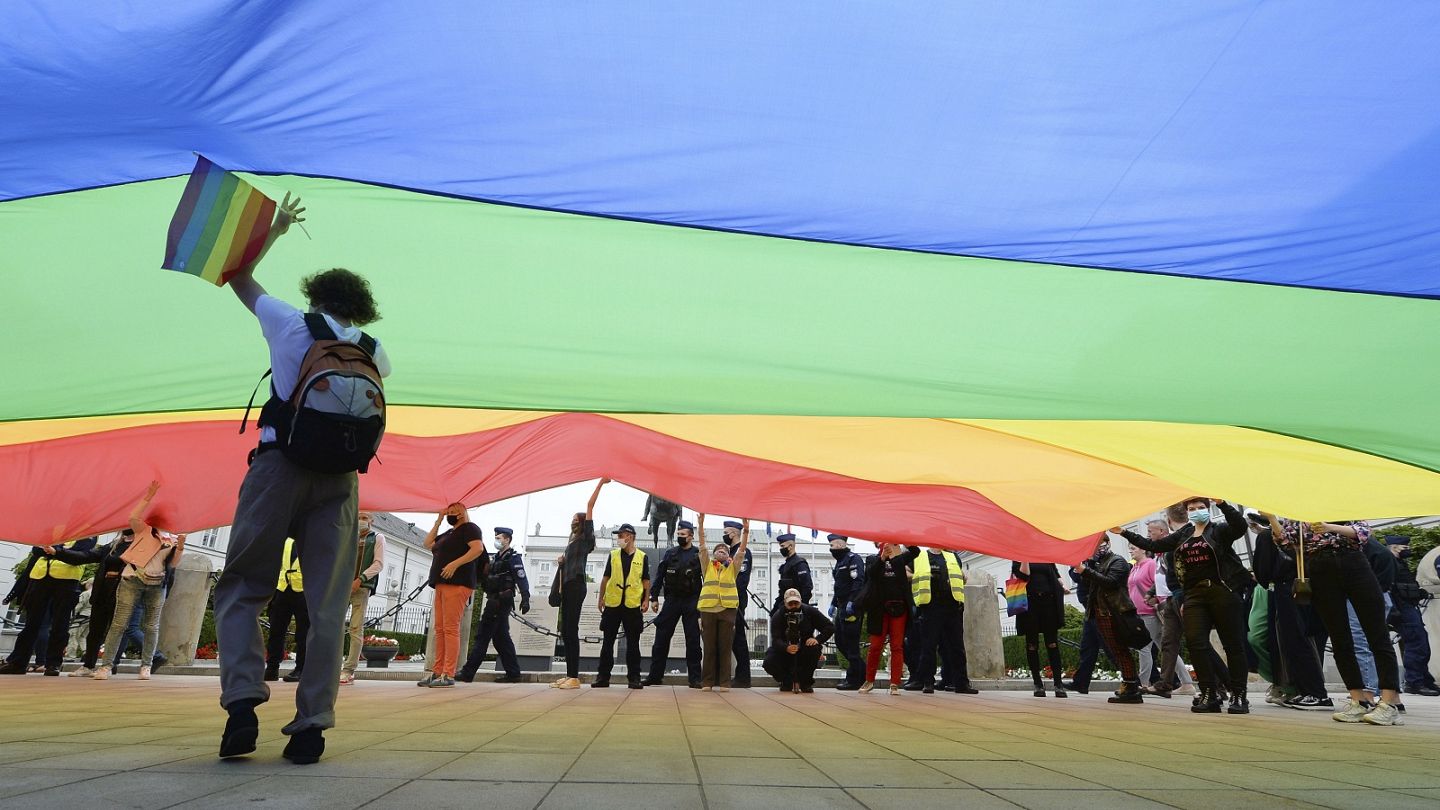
(1039, 688)
(1129, 693)
(272, 672)
(1207, 702)
(242, 728)
(1239, 703)
(1060, 689)
(305, 747)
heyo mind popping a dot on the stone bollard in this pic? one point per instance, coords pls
(984, 652)
(184, 611)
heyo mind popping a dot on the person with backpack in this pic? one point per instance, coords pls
(320, 427)
(151, 556)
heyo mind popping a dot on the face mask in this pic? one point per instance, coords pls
(839, 553)
(786, 552)
(683, 540)
(452, 519)
(1198, 516)
(1404, 554)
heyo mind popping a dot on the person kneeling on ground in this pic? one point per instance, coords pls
(796, 634)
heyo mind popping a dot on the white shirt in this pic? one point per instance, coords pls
(284, 329)
(1162, 587)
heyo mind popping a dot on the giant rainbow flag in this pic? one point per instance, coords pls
(986, 276)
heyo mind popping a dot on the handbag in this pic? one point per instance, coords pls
(1133, 631)
(1017, 599)
(555, 598)
(1301, 589)
(142, 549)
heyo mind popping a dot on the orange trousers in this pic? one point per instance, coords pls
(449, 606)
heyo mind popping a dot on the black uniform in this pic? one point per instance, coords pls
(742, 641)
(678, 582)
(794, 573)
(504, 580)
(849, 573)
(788, 627)
(941, 627)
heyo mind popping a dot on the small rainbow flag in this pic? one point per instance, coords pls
(220, 226)
(1017, 601)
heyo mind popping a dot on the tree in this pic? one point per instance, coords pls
(1421, 540)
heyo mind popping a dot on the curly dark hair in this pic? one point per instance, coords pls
(341, 293)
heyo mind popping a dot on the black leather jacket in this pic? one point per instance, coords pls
(1221, 538)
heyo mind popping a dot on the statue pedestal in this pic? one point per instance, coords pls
(184, 611)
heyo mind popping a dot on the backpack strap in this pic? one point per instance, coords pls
(368, 344)
(246, 418)
(319, 328)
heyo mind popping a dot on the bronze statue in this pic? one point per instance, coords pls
(658, 511)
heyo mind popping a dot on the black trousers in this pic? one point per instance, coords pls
(1336, 578)
(611, 622)
(847, 641)
(572, 600)
(942, 626)
(102, 612)
(55, 598)
(494, 626)
(1091, 645)
(791, 670)
(1298, 658)
(1215, 607)
(1414, 645)
(741, 647)
(284, 606)
(685, 612)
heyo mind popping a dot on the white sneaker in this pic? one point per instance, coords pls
(1352, 713)
(102, 674)
(1384, 715)
(144, 673)
(82, 672)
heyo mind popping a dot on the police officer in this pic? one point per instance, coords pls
(678, 581)
(1406, 596)
(849, 575)
(286, 603)
(733, 532)
(797, 632)
(504, 578)
(794, 573)
(938, 591)
(52, 588)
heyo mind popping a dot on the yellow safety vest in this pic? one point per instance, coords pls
(718, 591)
(920, 584)
(290, 569)
(633, 589)
(50, 567)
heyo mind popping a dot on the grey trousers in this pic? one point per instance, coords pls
(280, 499)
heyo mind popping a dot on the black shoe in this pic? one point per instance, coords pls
(653, 681)
(927, 689)
(53, 672)
(1128, 694)
(845, 686)
(695, 684)
(1039, 692)
(272, 674)
(914, 686)
(1071, 687)
(465, 677)
(1207, 702)
(1060, 691)
(964, 689)
(636, 685)
(504, 679)
(1304, 702)
(745, 684)
(158, 660)
(1239, 705)
(600, 685)
(1424, 691)
(1162, 692)
(242, 728)
(305, 747)
(12, 668)
(292, 677)
(785, 687)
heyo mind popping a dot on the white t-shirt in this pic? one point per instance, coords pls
(284, 329)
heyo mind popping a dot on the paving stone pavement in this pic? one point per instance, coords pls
(67, 742)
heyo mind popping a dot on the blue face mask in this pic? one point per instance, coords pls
(1199, 516)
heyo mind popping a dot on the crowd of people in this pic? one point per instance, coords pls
(298, 509)
(1310, 582)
